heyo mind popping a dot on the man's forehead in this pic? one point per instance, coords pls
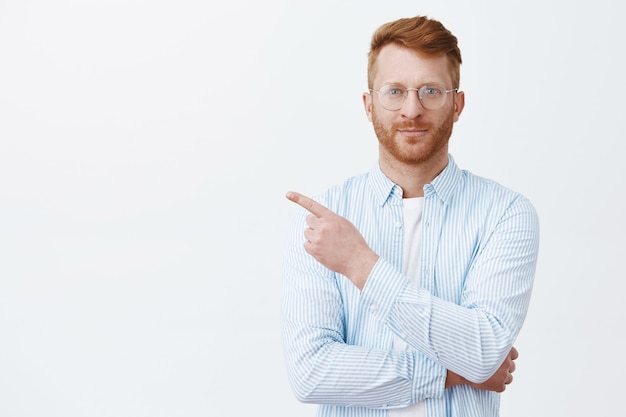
(400, 64)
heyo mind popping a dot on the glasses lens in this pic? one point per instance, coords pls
(392, 96)
(432, 96)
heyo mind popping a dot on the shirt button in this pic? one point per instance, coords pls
(373, 308)
(398, 225)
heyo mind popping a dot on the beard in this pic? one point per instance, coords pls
(413, 151)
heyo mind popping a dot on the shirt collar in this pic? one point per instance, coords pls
(446, 182)
(382, 186)
(442, 186)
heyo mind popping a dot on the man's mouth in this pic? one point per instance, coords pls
(413, 132)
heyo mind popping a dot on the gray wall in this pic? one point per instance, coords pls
(146, 147)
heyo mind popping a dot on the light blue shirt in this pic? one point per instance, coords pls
(479, 251)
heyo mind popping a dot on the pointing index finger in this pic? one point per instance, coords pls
(307, 203)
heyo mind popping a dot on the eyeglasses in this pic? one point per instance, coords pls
(431, 96)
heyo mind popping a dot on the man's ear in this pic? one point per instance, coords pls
(459, 104)
(367, 104)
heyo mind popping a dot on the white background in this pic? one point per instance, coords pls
(146, 146)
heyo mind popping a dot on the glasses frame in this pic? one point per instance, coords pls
(419, 94)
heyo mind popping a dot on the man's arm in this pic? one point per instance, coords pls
(325, 363)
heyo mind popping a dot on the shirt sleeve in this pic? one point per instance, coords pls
(322, 367)
(473, 336)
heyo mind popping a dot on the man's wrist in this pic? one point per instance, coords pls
(453, 379)
(363, 270)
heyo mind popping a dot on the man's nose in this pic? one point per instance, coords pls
(412, 106)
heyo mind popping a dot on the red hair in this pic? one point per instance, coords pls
(420, 34)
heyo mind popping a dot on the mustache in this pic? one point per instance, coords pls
(411, 125)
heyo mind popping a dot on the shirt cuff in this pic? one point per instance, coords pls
(382, 289)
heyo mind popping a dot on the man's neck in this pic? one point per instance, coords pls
(412, 177)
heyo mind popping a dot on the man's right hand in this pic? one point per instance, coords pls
(498, 381)
(335, 242)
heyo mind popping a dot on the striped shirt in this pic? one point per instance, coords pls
(478, 258)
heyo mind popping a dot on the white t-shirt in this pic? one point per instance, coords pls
(411, 268)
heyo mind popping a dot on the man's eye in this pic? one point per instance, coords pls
(395, 91)
(432, 91)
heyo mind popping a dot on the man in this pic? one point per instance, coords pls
(406, 287)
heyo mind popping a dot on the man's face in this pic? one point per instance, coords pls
(412, 135)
